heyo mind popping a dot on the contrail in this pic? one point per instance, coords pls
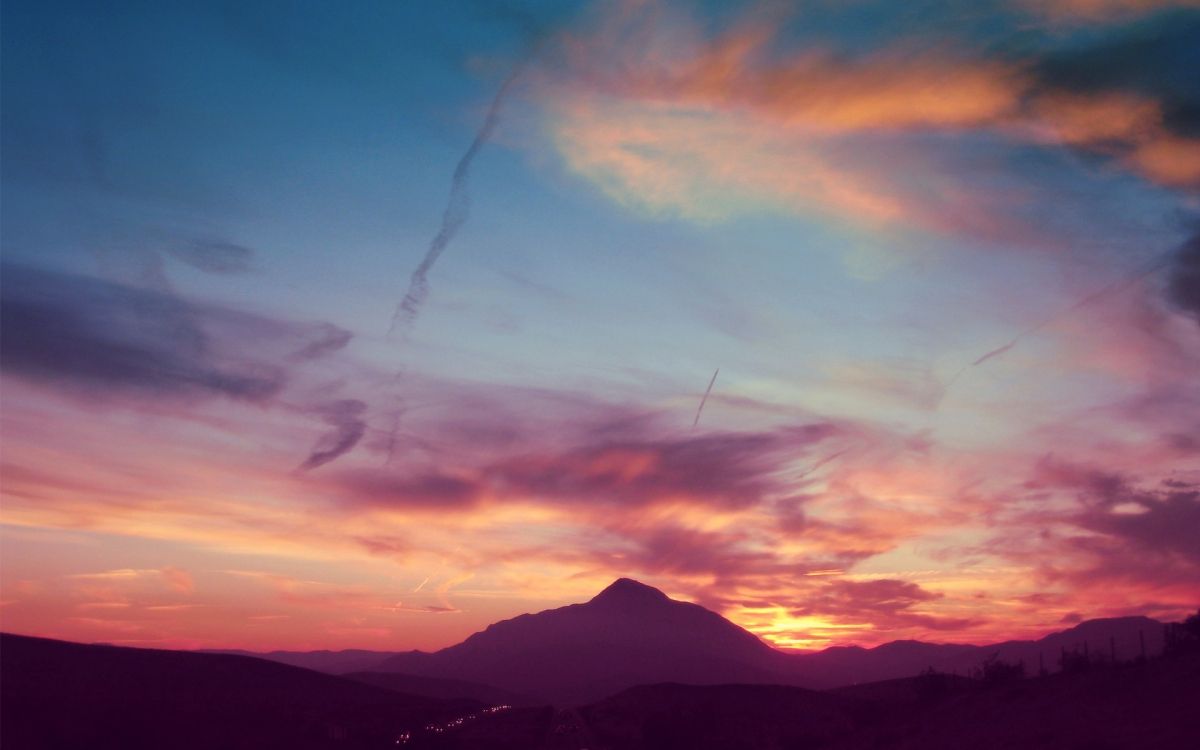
(822, 462)
(1113, 288)
(704, 398)
(458, 209)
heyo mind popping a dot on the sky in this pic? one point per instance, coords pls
(365, 325)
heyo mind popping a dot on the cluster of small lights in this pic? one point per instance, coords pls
(406, 736)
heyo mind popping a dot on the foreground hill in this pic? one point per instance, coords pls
(444, 689)
(63, 695)
(1149, 705)
(55, 694)
(719, 716)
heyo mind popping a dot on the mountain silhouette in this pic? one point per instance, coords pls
(633, 634)
(848, 665)
(628, 634)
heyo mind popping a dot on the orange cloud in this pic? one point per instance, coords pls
(667, 122)
(1169, 160)
(1081, 119)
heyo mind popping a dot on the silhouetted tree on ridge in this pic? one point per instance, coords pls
(1183, 637)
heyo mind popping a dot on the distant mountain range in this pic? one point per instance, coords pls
(329, 662)
(1103, 638)
(632, 634)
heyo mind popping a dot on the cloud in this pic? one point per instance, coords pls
(1094, 526)
(215, 257)
(1183, 284)
(134, 347)
(669, 121)
(345, 418)
(631, 465)
(1157, 522)
(391, 490)
(320, 340)
(317, 594)
(174, 578)
(721, 469)
(885, 603)
(178, 579)
(98, 336)
(678, 550)
(1132, 81)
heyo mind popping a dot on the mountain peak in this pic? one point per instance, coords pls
(629, 591)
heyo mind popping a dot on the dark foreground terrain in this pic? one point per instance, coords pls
(1150, 705)
(65, 695)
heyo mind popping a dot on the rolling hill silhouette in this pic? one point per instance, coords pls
(329, 662)
(1143, 705)
(69, 695)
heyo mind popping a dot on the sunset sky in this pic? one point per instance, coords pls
(945, 255)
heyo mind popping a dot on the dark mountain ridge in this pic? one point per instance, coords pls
(848, 665)
(632, 634)
(627, 635)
